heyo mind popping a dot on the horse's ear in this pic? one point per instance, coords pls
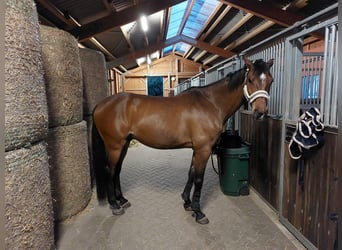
(270, 63)
(248, 62)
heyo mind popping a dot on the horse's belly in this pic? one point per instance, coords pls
(163, 139)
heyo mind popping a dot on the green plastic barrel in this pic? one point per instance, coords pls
(233, 170)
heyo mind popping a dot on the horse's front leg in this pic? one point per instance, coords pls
(200, 162)
(187, 189)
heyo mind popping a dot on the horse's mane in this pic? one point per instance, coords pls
(234, 79)
(237, 77)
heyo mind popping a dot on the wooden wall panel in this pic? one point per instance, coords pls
(170, 67)
(309, 206)
(264, 137)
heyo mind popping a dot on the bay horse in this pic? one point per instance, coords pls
(193, 119)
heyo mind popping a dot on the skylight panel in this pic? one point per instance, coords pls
(177, 14)
(200, 13)
(168, 49)
(182, 47)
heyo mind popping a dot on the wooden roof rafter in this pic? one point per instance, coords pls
(120, 18)
(168, 42)
(265, 11)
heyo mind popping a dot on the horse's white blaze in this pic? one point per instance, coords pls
(262, 77)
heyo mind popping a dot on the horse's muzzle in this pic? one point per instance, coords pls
(258, 115)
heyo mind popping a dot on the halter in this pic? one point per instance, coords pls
(259, 93)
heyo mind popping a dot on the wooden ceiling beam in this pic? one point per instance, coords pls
(148, 50)
(265, 11)
(208, 47)
(241, 22)
(56, 12)
(143, 52)
(243, 39)
(120, 18)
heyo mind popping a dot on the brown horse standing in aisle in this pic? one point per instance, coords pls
(193, 119)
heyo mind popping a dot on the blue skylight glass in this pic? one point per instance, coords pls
(177, 14)
(200, 13)
(182, 47)
(168, 49)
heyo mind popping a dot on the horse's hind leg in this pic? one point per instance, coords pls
(123, 202)
(114, 204)
(115, 158)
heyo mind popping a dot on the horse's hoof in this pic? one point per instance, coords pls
(125, 204)
(187, 206)
(117, 211)
(202, 221)
(200, 218)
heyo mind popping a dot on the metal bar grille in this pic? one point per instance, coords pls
(330, 76)
(274, 51)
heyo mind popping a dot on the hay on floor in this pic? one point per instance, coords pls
(63, 76)
(26, 115)
(28, 202)
(95, 82)
(70, 175)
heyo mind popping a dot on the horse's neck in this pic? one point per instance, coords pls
(226, 100)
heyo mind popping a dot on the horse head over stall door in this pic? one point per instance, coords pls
(193, 119)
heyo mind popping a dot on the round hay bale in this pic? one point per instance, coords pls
(29, 214)
(95, 82)
(26, 115)
(70, 178)
(63, 76)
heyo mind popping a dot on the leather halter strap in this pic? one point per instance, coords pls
(257, 94)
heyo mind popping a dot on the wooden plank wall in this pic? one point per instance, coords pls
(307, 207)
(264, 137)
(174, 69)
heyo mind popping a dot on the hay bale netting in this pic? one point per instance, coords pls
(28, 202)
(95, 82)
(70, 178)
(63, 76)
(26, 115)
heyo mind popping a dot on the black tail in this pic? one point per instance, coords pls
(99, 164)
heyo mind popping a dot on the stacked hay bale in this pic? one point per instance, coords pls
(67, 136)
(95, 87)
(28, 202)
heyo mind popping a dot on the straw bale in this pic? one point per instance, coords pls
(95, 82)
(28, 202)
(26, 115)
(63, 76)
(70, 178)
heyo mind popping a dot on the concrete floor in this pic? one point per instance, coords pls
(152, 180)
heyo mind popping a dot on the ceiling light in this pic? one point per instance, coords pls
(155, 55)
(149, 61)
(141, 60)
(144, 25)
